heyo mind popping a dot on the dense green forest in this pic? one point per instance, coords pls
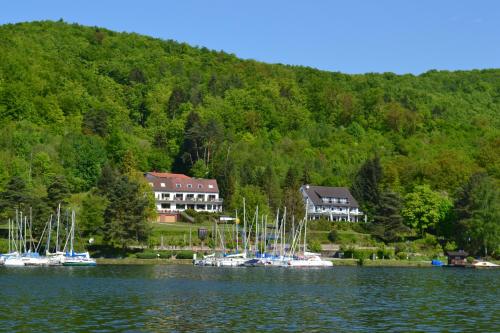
(85, 110)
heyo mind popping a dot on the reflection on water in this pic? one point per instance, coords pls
(186, 298)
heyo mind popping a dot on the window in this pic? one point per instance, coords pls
(200, 186)
(210, 186)
(165, 206)
(162, 184)
(190, 185)
(165, 196)
(178, 185)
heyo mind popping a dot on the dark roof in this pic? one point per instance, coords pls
(460, 253)
(316, 193)
(170, 180)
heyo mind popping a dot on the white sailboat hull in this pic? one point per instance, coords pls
(35, 261)
(309, 262)
(14, 262)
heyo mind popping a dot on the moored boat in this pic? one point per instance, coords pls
(78, 259)
(15, 261)
(483, 264)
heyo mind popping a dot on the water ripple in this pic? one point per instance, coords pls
(207, 299)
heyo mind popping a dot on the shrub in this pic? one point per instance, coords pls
(147, 255)
(184, 255)
(333, 236)
(314, 246)
(321, 225)
(363, 254)
(165, 255)
(402, 255)
(450, 246)
(385, 253)
(470, 259)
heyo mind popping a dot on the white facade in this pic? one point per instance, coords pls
(331, 203)
(167, 202)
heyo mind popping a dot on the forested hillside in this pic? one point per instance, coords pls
(75, 100)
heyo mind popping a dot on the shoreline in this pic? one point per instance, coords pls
(136, 261)
(336, 262)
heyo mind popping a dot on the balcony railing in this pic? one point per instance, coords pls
(190, 200)
(334, 212)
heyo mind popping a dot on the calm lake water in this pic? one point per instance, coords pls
(183, 298)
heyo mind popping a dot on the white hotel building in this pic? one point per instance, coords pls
(331, 203)
(174, 193)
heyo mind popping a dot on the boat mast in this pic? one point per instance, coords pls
(57, 227)
(276, 232)
(24, 237)
(47, 250)
(244, 227)
(72, 231)
(30, 229)
(9, 237)
(305, 225)
(257, 230)
(265, 235)
(283, 240)
(237, 223)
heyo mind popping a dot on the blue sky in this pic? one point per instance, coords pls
(347, 36)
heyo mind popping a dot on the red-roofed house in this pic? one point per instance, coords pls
(176, 192)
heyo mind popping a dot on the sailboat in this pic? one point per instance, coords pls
(73, 258)
(308, 259)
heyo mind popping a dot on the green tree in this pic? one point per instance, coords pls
(271, 185)
(58, 192)
(92, 215)
(292, 198)
(424, 209)
(15, 196)
(126, 215)
(387, 221)
(478, 213)
(199, 169)
(366, 186)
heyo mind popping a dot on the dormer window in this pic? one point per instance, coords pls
(200, 186)
(190, 185)
(210, 186)
(162, 184)
(178, 185)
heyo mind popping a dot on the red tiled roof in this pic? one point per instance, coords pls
(168, 175)
(170, 182)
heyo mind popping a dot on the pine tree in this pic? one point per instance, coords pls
(366, 186)
(58, 192)
(292, 199)
(270, 184)
(15, 196)
(478, 213)
(125, 218)
(388, 222)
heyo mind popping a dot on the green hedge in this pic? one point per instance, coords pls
(184, 255)
(147, 255)
(154, 255)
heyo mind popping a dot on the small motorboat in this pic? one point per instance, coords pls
(483, 264)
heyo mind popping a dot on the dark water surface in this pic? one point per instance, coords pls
(209, 299)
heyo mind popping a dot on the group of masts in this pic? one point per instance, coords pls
(276, 248)
(22, 250)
